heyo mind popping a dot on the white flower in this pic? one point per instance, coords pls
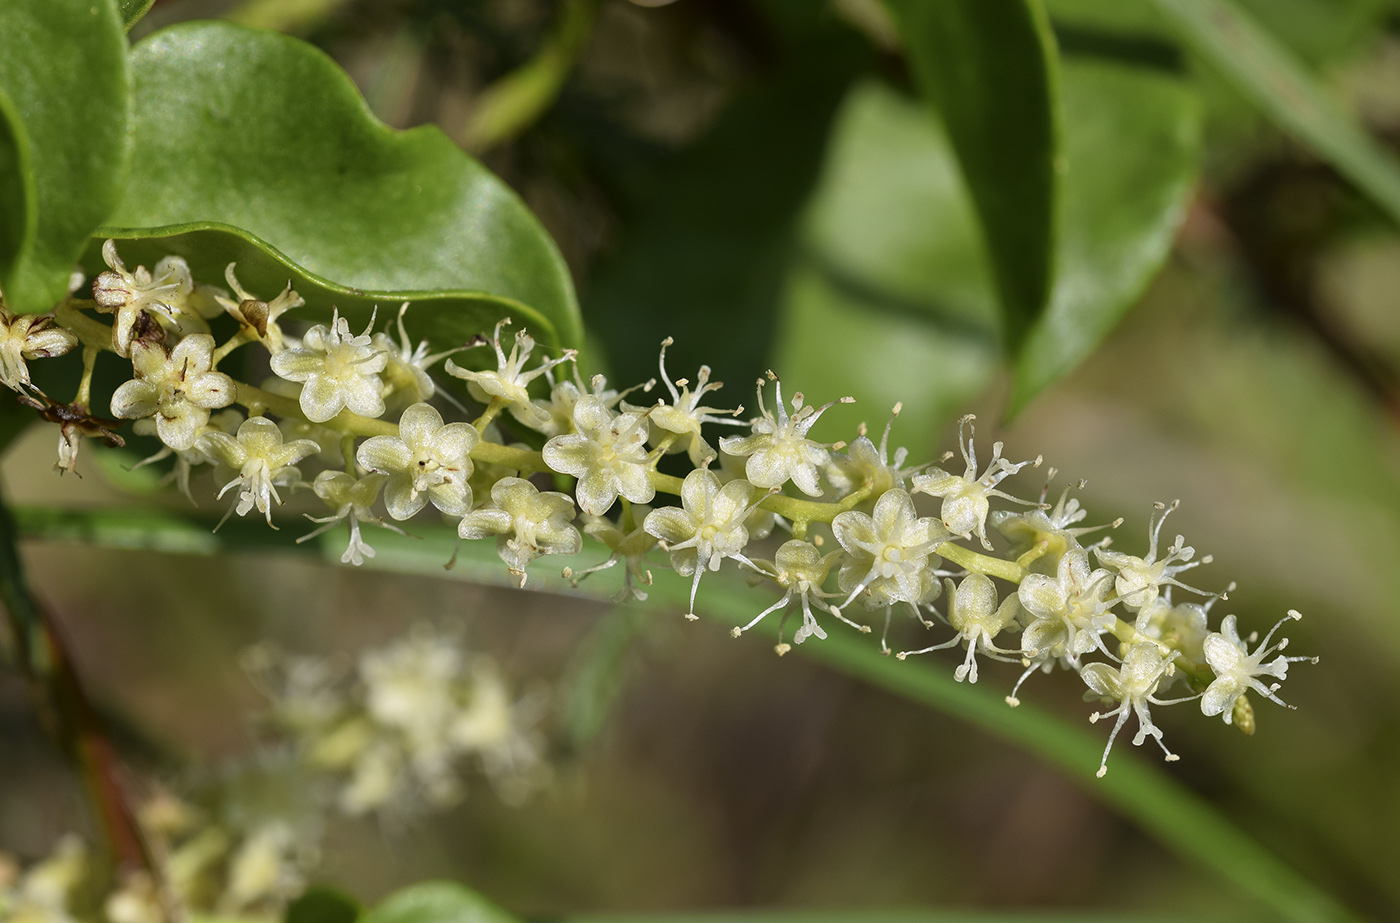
(1140, 580)
(28, 336)
(352, 499)
(1237, 670)
(707, 528)
(127, 294)
(261, 462)
(427, 461)
(509, 383)
(888, 554)
(800, 569)
(1068, 610)
(680, 421)
(258, 316)
(178, 387)
(779, 450)
(864, 463)
(1056, 526)
(628, 546)
(1133, 686)
(607, 453)
(966, 498)
(186, 460)
(527, 522)
(975, 616)
(406, 378)
(339, 371)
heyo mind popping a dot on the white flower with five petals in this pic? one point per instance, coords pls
(177, 387)
(260, 461)
(1237, 671)
(339, 371)
(707, 528)
(527, 522)
(779, 450)
(426, 462)
(607, 453)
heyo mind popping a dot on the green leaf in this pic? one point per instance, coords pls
(879, 277)
(322, 905)
(64, 104)
(132, 10)
(1281, 86)
(709, 243)
(248, 141)
(1132, 147)
(990, 68)
(437, 902)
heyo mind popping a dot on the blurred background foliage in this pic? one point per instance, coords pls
(760, 180)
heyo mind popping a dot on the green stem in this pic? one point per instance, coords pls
(517, 100)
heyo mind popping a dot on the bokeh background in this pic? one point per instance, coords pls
(756, 180)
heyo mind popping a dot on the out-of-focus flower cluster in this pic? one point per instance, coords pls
(398, 732)
(980, 569)
(397, 735)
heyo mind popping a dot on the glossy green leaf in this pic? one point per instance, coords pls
(437, 902)
(1268, 74)
(990, 68)
(322, 905)
(1132, 148)
(63, 146)
(888, 302)
(707, 251)
(245, 134)
(132, 10)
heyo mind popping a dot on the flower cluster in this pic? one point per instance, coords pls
(390, 736)
(988, 573)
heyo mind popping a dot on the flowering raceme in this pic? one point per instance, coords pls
(1028, 590)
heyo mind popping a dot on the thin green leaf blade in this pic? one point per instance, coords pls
(1132, 148)
(263, 136)
(1280, 85)
(63, 144)
(437, 902)
(991, 69)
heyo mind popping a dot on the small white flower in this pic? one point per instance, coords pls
(178, 387)
(339, 371)
(509, 383)
(1055, 526)
(1133, 686)
(864, 463)
(1140, 580)
(127, 294)
(527, 522)
(966, 498)
(779, 450)
(28, 336)
(607, 453)
(800, 569)
(975, 616)
(707, 528)
(1068, 611)
(406, 378)
(427, 461)
(261, 462)
(629, 547)
(186, 460)
(1237, 670)
(682, 419)
(352, 500)
(890, 554)
(258, 316)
